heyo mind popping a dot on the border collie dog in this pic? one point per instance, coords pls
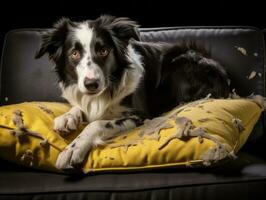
(114, 81)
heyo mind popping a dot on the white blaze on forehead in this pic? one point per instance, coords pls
(84, 33)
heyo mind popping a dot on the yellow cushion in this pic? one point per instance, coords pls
(197, 134)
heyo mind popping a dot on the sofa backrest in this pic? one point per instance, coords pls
(239, 49)
(24, 78)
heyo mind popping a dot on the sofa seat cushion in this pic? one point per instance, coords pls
(243, 178)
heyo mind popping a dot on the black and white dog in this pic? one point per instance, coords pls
(114, 81)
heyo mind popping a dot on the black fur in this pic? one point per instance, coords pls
(73, 145)
(177, 74)
(109, 125)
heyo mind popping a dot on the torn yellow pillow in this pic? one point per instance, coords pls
(197, 134)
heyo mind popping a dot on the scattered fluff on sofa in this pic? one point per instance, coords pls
(197, 134)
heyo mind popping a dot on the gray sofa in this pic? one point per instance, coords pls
(22, 78)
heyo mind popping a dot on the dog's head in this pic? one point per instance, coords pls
(92, 53)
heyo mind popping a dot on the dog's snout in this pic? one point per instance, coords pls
(92, 85)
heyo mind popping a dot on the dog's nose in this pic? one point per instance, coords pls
(91, 84)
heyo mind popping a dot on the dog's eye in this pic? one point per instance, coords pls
(103, 52)
(75, 55)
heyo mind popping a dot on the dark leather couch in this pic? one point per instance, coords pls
(24, 79)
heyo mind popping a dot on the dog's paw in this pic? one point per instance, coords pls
(73, 156)
(66, 123)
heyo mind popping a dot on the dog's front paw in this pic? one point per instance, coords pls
(73, 156)
(66, 123)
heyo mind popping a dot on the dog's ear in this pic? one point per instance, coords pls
(126, 29)
(52, 40)
(120, 27)
(121, 31)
